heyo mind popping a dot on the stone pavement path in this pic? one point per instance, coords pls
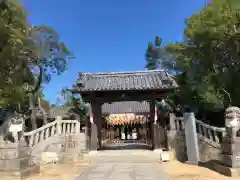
(125, 166)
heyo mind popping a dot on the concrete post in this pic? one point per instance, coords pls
(191, 138)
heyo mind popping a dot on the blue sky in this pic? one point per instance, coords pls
(108, 35)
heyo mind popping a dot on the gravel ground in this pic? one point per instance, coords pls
(176, 170)
(57, 172)
(181, 171)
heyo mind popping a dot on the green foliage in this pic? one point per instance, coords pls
(151, 62)
(47, 51)
(152, 53)
(77, 102)
(207, 61)
(28, 55)
(13, 70)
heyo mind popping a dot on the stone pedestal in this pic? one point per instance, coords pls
(230, 156)
(231, 152)
(15, 159)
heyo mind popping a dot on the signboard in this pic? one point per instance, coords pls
(16, 128)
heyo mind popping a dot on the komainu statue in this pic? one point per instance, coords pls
(232, 120)
(6, 129)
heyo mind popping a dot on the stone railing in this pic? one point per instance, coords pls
(197, 142)
(210, 134)
(56, 128)
(179, 124)
(57, 141)
(209, 138)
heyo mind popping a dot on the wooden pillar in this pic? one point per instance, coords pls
(156, 142)
(87, 134)
(96, 126)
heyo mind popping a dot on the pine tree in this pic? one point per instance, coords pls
(152, 53)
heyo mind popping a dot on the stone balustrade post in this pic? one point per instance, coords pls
(77, 127)
(59, 124)
(78, 137)
(191, 138)
(171, 132)
(231, 143)
(172, 125)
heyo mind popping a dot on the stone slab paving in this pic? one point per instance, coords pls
(124, 171)
(138, 167)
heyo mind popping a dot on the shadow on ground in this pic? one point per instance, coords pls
(126, 147)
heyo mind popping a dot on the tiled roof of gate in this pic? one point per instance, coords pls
(63, 111)
(125, 107)
(138, 80)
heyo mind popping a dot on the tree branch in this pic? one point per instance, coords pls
(228, 95)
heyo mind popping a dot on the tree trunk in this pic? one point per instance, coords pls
(32, 93)
(33, 111)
